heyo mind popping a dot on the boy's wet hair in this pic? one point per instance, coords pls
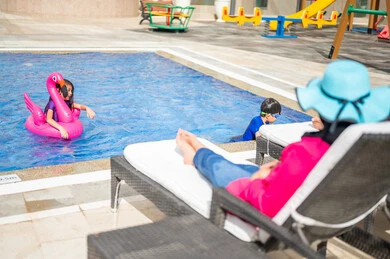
(270, 106)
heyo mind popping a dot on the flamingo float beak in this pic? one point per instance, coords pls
(61, 82)
(63, 88)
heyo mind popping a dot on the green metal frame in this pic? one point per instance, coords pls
(182, 15)
(351, 9)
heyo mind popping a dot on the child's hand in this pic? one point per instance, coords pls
(90, 113)
(265, 170)
(64, 133)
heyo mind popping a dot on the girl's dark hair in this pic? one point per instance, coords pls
(69, 103)
(67, 82)
(270, 105)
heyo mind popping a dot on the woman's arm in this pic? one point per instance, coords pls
(265, 170)
(90, 113)
(54, 124)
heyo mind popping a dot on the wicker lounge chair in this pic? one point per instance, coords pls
(332, 194)
(349, 182)
(275, 137)
(156, 170)
(185, 233)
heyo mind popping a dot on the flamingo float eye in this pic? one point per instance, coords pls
(54, 78)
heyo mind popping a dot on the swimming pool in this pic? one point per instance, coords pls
(137, 97)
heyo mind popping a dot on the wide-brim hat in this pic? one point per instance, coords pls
(344, 93)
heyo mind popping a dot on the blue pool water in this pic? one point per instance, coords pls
(137, 97)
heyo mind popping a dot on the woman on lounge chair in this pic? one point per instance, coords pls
(341, 97)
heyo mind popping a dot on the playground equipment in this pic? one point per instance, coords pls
(319, 21)
(380, 20)
(169, 13)
(280, 20)
(373, 19)
(280, 23)
(312, 10)
(384, 34)
(346, 22)
(241, 18)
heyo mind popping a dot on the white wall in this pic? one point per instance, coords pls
(72, 8)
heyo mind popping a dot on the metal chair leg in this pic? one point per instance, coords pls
(116, 199)
(321, 248)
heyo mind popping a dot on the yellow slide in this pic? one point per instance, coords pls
(312, 10)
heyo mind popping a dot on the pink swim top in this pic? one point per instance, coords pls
(269, 195)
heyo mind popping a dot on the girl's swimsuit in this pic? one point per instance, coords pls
(51, 106)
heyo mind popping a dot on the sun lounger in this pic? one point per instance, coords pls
(185, 233)
(329, 203)
(273, 138)
(161, 163)
(348, 183)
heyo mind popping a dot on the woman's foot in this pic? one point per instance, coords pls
(191, 139)
(183, 142)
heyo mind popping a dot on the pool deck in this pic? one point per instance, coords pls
(50, 212)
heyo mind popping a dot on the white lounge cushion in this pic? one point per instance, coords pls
(284, 134)
(162, 161)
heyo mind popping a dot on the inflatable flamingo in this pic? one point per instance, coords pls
(69, 119)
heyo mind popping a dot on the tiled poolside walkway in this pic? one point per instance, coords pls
(53, 222)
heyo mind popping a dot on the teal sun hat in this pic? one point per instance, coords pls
(344, 93)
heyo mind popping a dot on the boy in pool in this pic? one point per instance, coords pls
(67, 95)
(270, 110)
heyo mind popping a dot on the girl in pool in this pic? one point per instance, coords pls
(67, 95)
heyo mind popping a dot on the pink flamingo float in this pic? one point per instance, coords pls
(69, 119)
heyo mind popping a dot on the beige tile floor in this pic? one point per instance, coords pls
(63, 236)
(53, 222)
